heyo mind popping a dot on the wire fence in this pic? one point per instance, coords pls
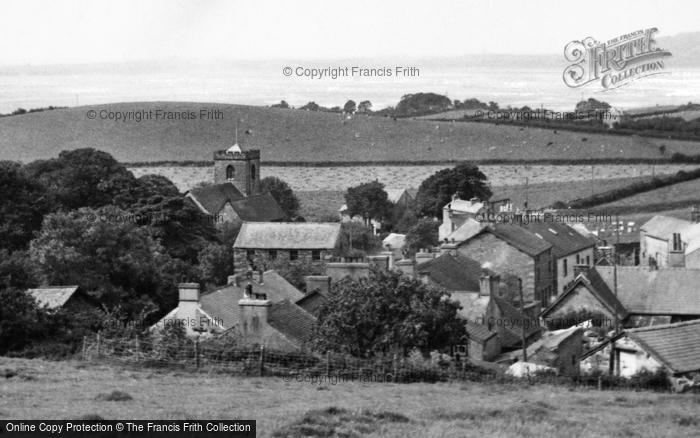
(215, 356)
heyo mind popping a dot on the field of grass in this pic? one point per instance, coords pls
(683, 191)
(302, 136)
(37, 389)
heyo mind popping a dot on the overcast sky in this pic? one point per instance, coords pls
(84, 31)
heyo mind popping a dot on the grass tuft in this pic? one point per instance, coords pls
(339, 422)
(114, 396)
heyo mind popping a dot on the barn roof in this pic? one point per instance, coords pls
(53, 297)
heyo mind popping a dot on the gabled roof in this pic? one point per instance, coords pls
(466, 231)
(288, 235)
(53, 297)
(394, 195)
(212, 198)
(479, 332)
(598, 287)
(672, 291)
(677, 346)
(222, 303)
(312, 301)
(520, 238)
(663, 227)
(259, 208)
(465, 206)
(292, 321)
(564, 239)
(394, 240)
(453, 272)
(517, 321)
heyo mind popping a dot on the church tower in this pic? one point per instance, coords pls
(242, 168)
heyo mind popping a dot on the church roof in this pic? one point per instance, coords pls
(235, 149)
(259, 208)
(212, 198)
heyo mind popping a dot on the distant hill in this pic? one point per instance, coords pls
(684, 48)
(302, 136)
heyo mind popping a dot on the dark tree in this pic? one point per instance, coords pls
(311, 106)
(23, 202)
(357, 240)
(424, 234)
(364, 107)
(464, 180)
(350, 106)
(21, 319)
(368, 200)
(387, 313)
(283, 194)
(422, 103)
(283, 104)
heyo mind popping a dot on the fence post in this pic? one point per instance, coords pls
(196, 352)
(395, 368)
(84, 346)
(328, 364)
(98, 343)
(262, 360)
(600, 383)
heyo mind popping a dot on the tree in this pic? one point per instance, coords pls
(17, 270)
(23, 202)
(424, 234)
(283, 104)
(357, 240)
(114, 261)
(464, 180)
(364, 107)
(216, 264)
(387, 313)
(311, 106)
(422, 103)
(21, 319)
(592, 104)
(350, 106)
(368, 200)
(283, 194)
(82, 178)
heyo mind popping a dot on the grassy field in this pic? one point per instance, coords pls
(684, 191)
(295, 135)
(37, 389)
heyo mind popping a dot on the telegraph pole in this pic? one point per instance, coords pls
(522, 311)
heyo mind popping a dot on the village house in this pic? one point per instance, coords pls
(399, 197)
(236, 194)
(514, 252)
(257, 309)
(482, 344)
(674, 348)
(569, 249)
(670, 242)
(261, 244)
(456, 212)
(558, 349)
(511, 323)
(395, 243)
(643, 296)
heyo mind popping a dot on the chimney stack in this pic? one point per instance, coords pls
(406, 266)
(188, 304)
(424, 255)
(253, 311)
(261, 277)
(676, 256)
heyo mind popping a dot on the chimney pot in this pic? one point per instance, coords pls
(260, 276)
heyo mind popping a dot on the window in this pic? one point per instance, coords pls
(564, 267)
(252, 172)
(588, 260)
(272, 254)
(230, 172)
(316, 255)
(293, 254)
(578, 259)
(250, 254)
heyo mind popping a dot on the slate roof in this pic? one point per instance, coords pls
(259, 208)
(394, 195)
(292, 321)
(453, 272)
(511, 316)
(663, 227)
(288, 235)
(312, 301)
(223, 302)
(465, 206)
(466, 231)
(479, 332)
(677, 346)
(564, 239)
(53, 297)
(214, 197)
(521, 238)
(673, 291)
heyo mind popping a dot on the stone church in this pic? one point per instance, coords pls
(236, 194)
